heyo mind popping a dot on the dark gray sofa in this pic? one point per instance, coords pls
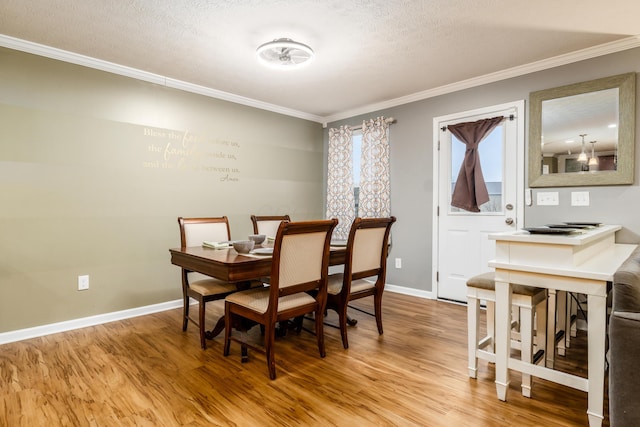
(624, 345)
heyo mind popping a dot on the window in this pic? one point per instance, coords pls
(491, 159)
(358, 173)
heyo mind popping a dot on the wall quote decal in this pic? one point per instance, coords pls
(182, 150)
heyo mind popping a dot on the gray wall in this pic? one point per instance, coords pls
(95, 168)
(412, 157)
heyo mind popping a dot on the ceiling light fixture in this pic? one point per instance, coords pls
(284, 54)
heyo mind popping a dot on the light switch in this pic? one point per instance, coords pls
(547, 198)
(579, 198)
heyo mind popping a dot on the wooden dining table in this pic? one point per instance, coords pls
(228, 265)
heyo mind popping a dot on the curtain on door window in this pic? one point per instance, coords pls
(375, 189)
(470, 190)
(340, 199)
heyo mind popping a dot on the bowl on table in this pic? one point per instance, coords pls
(257, 238)
(243, 246)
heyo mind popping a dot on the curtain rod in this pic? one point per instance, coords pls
(389, 120)
(511, 118)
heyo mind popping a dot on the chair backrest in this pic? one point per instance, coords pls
(300, 258)
(194, 231)
(367, 248)
(268, 225)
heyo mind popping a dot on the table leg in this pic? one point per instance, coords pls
(502, 337)
(219, 327)
(597, 320)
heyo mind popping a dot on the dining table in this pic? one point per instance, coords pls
(580, 261)
(229, 265)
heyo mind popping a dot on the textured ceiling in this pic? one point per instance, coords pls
(367, 52)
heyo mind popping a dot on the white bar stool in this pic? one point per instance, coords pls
(528, 302)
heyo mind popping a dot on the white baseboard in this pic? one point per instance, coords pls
(409, 291)
(53, 328)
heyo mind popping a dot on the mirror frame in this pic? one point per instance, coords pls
(626, 84)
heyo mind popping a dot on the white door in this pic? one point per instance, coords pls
(462, 248)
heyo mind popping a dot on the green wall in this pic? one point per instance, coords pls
(95, 168)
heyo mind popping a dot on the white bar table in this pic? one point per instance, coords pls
(579, 262)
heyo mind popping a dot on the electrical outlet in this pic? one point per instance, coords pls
(398, 262)
(83, 283)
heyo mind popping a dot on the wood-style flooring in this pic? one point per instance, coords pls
(146, 372)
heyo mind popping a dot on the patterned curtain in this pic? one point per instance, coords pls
(375, 189)
(340, 200)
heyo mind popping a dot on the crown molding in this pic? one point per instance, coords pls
(545, 64)
(98, 64)
(87, 61)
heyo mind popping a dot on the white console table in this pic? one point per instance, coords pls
(581, 263)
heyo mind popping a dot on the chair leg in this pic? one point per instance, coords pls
(561, 307)
(269, 340)
(201, 315)
(526, 329)
(491, 326)
(185, 312)
(377, 299)
(571, 326)
(298, 323)
(320, 333)
(541, 330)
(574, 316)
(473, 328)
(551, 329)
(227, 330)
(342, 319)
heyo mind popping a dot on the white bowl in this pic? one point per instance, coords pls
(243, 246)
(257, 238)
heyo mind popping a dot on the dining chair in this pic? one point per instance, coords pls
(365, 270)
(529, 305)
(268, 224)
(194, 231)
(299, 265)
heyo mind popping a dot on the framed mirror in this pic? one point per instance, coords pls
(583, 134)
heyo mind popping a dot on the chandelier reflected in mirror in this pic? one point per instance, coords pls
(593, 160)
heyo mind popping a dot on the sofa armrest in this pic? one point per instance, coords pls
(624, 369)
(626, 284)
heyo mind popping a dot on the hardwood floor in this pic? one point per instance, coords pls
(146, 372)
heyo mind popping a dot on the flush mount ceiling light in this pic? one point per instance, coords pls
(284, 54)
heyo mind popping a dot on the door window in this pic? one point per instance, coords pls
(491, 151)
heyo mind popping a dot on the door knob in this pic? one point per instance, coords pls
(509, 221)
